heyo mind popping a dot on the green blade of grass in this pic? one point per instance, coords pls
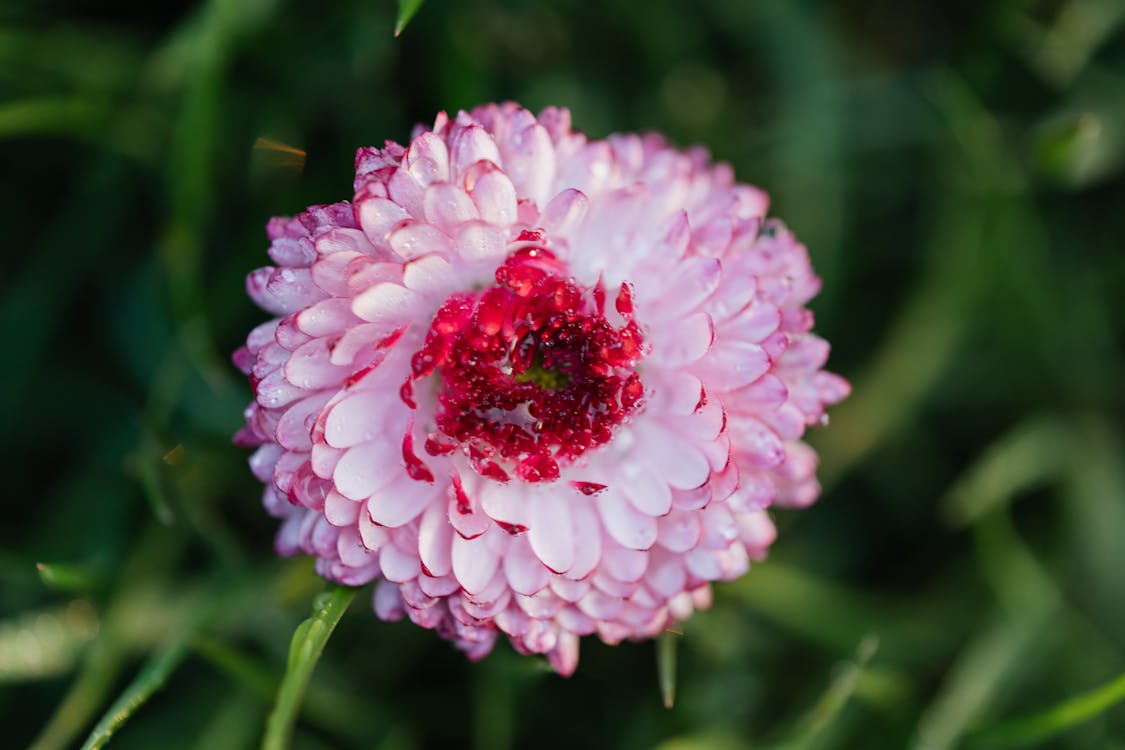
(840, 690)
(1035, 452)
(61, 577)
(304, 652)
(666, 667)
(150, 679)
(1039, 727)
(406, 11)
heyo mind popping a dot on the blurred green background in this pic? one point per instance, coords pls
(956, 170)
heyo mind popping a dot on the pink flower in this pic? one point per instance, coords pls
(534, 384)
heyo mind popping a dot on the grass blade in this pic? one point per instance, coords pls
(304, 651)
(666, 667)
(832, 702)
(150, 679)
(1042, 726)
(406, 11)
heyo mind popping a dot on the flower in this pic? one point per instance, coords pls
(534, 384)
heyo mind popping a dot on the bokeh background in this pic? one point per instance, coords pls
(956, 171)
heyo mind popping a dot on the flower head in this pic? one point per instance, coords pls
(533, 384)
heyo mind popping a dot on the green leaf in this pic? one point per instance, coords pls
(67, 577)
(666, 666)
(1038, 727)
(832, 702)
(304, 652)
(406, 11)
(1035, 452)
(150, 679)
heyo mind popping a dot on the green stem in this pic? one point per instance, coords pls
(304, 651)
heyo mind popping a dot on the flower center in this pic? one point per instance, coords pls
(532, 374)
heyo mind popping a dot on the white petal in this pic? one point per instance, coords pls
(398, 566)
(479, 241)
(470, 145)
(679, 531)
(646, 490)
(503, 502)
(386, 303)
(587, 540)
(387, 602)
(435, 541)
(684, 342)
(626, 565)
(412, 239)
(495, 197)
(366, 468)
(686, 288)
(400, 502)
(565, 213)
(735, 363)
(627, 525)
(340, 511)
(526, 574)
(377, 216)
(327, 317)
(675, 458)
(427, 159)
(448, 207)
(550, 530)
(473, 563)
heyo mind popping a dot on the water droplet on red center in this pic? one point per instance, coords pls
(532, 374)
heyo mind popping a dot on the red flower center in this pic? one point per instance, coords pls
(532, 374)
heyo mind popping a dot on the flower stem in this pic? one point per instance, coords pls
(308, 642)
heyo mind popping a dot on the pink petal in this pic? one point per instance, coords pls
(400, 502)
(362, 416)
(684, 342)
(412, 239)
(309, 367)
(679, 531)
(377, 216)
(327, 317)
(349, 546)
(404, 189)
(435, 541)
(448, 207)
(675, 458)
(386, 303)
(564, 657)
(565, 213)
(470, 145)
(754, 444)
(427, 159)
(550, 530)
(691, 283)
(733, 364)
(340, 511)
(398, 566)
(479, 241)
(587, 541)
(295, 424)
(494, 196)
(473, 563)
(626, 565)
(529, 159)
(366, 468)
(387, 602)
(526, 574)
(627, 525)
(374, 537)
(647, 492)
